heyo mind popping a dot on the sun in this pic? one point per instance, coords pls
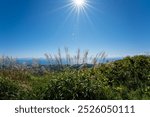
(78, 6)
(79, 3)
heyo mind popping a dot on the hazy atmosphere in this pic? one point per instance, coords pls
(30, 28)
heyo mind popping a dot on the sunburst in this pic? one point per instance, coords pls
(79, 5)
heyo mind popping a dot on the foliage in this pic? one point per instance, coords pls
(128, 78)
(77, 85)
(11, 90)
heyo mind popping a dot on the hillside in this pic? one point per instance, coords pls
(124, 79)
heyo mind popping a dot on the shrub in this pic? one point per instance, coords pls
(77, 85)
(8, 89)
(132, 72)
(12, 90)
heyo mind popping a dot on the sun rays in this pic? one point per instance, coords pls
(79, 3)
(76, 11)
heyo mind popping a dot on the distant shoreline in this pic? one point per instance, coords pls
(44, 61)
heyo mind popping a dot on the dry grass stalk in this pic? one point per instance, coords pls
(85, 57)
(59, 57)
(78, 56)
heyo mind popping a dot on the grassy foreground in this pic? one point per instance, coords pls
(122, 79)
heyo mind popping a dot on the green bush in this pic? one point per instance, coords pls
(8, 89)
(12, 90)
(132, 72)
(77, 85)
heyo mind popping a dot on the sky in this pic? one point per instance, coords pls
(30, 28)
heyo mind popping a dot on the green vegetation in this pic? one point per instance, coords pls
(128, 78)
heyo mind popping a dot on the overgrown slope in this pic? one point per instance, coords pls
(128, 78)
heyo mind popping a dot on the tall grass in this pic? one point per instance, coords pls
(80, 58)
(9, 67)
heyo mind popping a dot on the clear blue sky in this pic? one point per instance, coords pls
(30, 28)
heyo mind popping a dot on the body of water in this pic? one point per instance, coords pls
(43, 61)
